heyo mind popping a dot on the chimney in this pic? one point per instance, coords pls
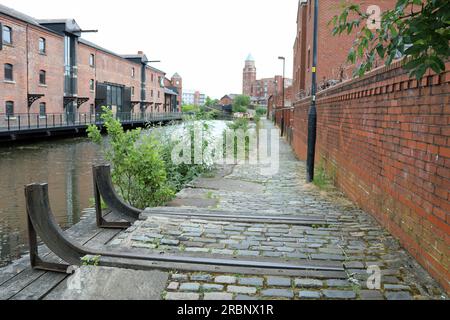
(140, 52)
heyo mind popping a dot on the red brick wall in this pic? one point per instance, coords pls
(15, 55)
(108, 68)
(27, 81)
(153, 85)
(332, 50)
(52, 63)
(388, 139)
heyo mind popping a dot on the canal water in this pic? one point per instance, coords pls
(66, 165)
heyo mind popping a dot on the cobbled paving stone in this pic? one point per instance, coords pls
(352, 238)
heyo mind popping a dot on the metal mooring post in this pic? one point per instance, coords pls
(312, 117)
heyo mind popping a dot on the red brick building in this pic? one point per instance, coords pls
(332, 66)
(48, 68)
(260, 90)
(383, 138)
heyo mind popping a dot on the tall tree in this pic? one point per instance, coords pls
(417, 29)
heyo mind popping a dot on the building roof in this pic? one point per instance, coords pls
(18, 15)
(23, 17)
(93, 45)
(140, 56)
(156, 70)
(176, 75)
(70, 25)
(250, 57)
(170, 91)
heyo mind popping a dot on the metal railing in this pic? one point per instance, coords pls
(31, 121)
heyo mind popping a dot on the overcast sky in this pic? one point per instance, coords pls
(205, 41)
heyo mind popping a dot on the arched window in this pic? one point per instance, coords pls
(9, 74)
(42, 77)
(133, 72)
(92, 60)
(92, 84)
(7, 35)
(42, 109)
(9, 108)
(42, 45)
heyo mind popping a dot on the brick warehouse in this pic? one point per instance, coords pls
(261, 89)
(49, 68)
(384, 138)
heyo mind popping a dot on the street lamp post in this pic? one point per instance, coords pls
(312, 117)
(284, 97)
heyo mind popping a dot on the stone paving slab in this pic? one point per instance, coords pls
(356, 241)
(99, 283)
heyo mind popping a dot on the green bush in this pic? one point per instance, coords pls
(181, 174)
(190, 108)
(241, 103)
(241, 123)
(139, 171)
(261, 111)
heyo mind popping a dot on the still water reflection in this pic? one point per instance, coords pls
(65, 164)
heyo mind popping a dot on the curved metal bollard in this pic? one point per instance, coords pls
(42, 223)
(104, 189)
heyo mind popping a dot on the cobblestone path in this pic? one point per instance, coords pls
(345, 236)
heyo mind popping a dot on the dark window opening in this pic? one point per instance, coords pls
(91, 109)
(92, 84)
(132, 72)
(42, 109)
(9, 72)
(9, 106)
(42, 77)
(42, 45)
(132, 91)
(114, 97)
(7, 35)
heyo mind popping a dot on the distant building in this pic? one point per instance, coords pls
(261, 90)
(227, 99)
(173, 92)
(191, 97)
(48, 68)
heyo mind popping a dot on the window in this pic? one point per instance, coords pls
(114, 97)
(42, 109)
(42, 77)
(91, 109)
(92, 84)
(151, 93)
(159, 94)
(152, 77)
(132, 91)
(42, 45)
(92, 60)
(9, 109)
(9, 72)
(132, 72)
(7, 35)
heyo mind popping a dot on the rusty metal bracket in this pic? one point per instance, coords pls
(104, 190)
(42, 223)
